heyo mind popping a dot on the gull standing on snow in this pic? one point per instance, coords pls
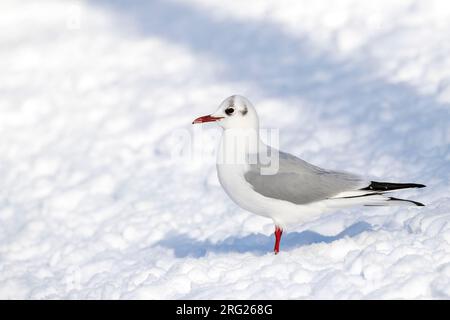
(287, 189)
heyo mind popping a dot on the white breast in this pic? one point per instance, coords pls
(231, 177)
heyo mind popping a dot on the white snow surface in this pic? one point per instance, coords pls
(94, 204)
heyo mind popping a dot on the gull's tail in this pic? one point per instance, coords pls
(373, 195)
(391, 201)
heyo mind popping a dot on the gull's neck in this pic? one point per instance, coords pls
(237, 145)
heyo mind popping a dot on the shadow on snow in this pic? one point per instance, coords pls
(282, 65)
(184, 246)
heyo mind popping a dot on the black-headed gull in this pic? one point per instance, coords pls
(278, 185)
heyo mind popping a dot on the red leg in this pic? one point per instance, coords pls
(278, 233)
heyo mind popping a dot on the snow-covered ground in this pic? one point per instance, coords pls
(95, 204)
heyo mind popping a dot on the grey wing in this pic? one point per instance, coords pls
(300, 182)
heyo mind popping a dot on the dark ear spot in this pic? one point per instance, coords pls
(244, 112)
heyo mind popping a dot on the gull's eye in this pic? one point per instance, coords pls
(229, 111)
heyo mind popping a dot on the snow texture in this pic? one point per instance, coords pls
(95, 204)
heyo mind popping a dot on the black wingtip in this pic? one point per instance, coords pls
(419, 204)
(388, 186)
